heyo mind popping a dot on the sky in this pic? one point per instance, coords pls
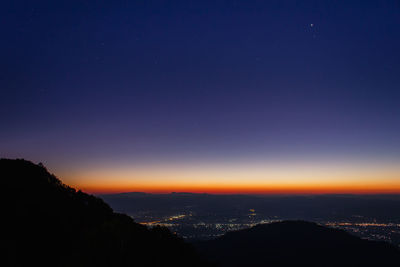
(204, 96)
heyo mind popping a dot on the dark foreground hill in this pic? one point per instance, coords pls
(47, 223)
(297, 243)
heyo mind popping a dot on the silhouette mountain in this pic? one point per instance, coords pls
(297, 243)
(47, 223)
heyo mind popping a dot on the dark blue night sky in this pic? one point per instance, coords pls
(144, 81)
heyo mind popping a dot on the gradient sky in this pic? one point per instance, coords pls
(204, 96)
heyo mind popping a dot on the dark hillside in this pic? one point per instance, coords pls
(47, 223)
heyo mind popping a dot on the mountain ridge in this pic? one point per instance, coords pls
(51, 224)
(297, 243)
(48, 223)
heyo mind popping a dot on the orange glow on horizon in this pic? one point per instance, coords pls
(299, 179)
(256, 190)
(372, 187)
(251, 187)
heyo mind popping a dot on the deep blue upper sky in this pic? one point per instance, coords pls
(199, 80)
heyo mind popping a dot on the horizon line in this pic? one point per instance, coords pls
(100, 193)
